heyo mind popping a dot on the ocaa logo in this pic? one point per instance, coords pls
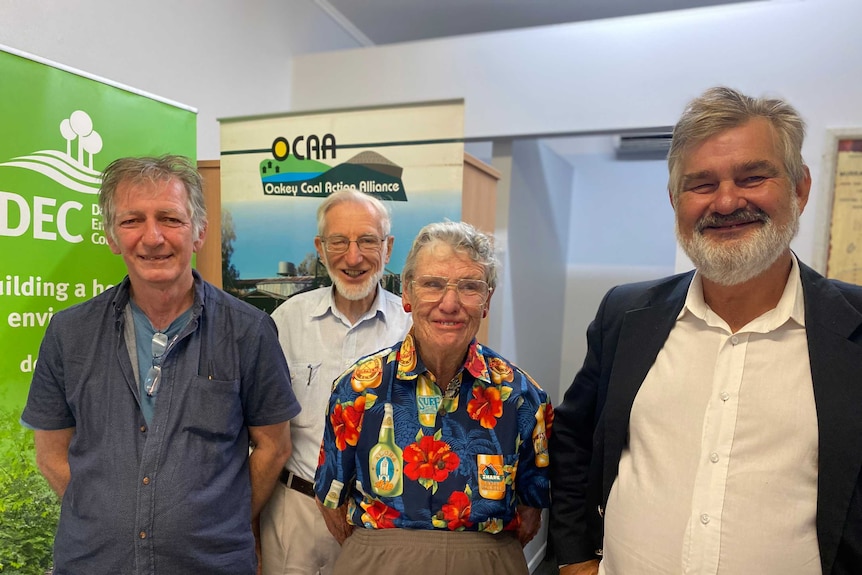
(314, 146)
(75, 172)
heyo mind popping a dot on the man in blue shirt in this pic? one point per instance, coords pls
(146, 398)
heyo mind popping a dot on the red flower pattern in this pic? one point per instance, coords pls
(475, 363)
(456, 511)
(378, 514)
(486, 405)
(549, 419)
(346, 422)
(429, 459)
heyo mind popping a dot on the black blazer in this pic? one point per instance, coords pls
(631, 326)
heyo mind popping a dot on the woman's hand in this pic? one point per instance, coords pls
(336, 521)
(531, 519)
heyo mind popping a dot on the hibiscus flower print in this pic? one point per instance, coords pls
(486, 405)
(378, 515)
(456, 512)
(475, 363)
(429, 460)
(346, 420)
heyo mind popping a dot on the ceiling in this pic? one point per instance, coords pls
(377, 22)
(374, 22)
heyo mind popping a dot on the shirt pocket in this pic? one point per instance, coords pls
(215, 408)
(311, 392)
(304, 374)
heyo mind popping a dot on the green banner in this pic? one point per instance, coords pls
(60, 129)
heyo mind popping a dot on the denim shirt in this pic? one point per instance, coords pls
(173, 497)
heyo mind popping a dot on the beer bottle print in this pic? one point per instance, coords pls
(385, 461)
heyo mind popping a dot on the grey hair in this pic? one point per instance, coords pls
(462, 238)
(719, 109)
(153, 169)
(352, 195)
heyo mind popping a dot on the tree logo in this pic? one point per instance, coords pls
(73, 172)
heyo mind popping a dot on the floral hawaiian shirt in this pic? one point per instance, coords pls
(414, 457)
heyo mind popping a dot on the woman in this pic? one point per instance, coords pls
(434, 455)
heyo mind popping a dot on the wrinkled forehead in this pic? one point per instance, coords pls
(352, 218)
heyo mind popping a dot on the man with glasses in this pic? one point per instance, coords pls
(146, 398)
(322, 332)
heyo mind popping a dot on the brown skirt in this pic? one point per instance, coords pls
(425, 552)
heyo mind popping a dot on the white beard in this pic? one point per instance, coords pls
(735, 262)
(356, 292)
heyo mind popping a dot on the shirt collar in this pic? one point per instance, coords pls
(791, 305)
(410, 364)
(327, 305)
(123, 293)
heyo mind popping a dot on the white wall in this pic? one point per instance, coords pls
(621, 231)
(614, 74)
(533, 287)
(223, 57)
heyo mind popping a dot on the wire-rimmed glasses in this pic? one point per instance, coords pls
(431, 289)
(154, 374)
(340, 244)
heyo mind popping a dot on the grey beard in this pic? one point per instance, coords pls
(360, 292)
(741, 260)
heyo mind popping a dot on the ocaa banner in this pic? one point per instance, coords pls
(60, 129)
(276, 170)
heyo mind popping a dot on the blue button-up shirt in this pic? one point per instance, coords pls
(173, 497)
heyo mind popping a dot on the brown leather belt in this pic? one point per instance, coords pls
(293, 481)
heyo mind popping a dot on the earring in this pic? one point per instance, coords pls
(408, 308)
(484, 312)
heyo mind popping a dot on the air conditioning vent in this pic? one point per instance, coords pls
(643, 146)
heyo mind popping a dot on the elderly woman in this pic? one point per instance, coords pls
(434, 457)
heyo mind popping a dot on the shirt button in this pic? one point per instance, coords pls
(724, 396)
(704, 518)
(143, 429)
(713, 457)
(734, 340)
(146, 480)
(142, 534)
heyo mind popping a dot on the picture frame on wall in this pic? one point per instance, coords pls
(844, 164)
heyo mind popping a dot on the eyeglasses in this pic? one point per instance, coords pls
(154, 375)
(431, 289)
(340, 244)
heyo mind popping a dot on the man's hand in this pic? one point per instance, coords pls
(52, 457)
(531, 519)
(271, 450)
(586, 568)
(336, 521)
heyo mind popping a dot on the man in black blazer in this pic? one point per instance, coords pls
(716, 424)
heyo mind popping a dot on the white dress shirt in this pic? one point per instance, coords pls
(719, 475)
(319, 343)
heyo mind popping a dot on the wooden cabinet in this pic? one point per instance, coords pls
(209, 257)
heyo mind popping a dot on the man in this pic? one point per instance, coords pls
(322, 332)
(146, 398)
(714, 427)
